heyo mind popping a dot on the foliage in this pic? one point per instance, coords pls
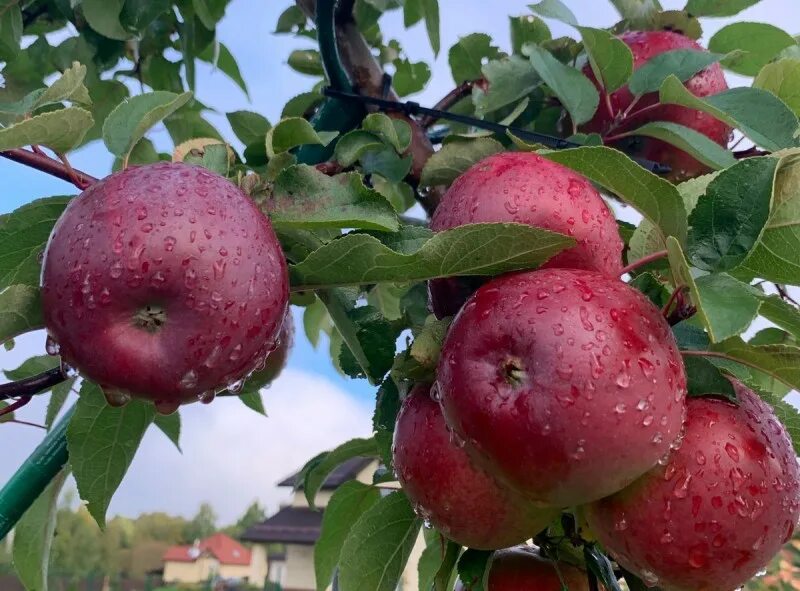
(359, 252)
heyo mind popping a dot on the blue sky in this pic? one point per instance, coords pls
(232, 456)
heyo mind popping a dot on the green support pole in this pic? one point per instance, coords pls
(333, 114)
(34, 475)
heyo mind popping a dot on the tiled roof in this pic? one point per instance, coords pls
(341, 474)
(222, 547)
(290, 525)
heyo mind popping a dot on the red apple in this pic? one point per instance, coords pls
(463, 502)
(525, 188)
(164, 282)
(718, 511)
(524, 569)
(567, 384)
(646, 45)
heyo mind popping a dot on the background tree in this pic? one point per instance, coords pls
(202, 525)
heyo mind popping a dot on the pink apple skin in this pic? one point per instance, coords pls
(164, 282)
(567, 384)
(720, 508)
(525, 188)
(462, 501)
(645, 45)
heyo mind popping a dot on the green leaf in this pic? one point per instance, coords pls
(774, 309)
(728, 220)
(394, 132)
(315, 319)
(33, 537)
(527, 29)
(410, 77)
(475, 249)
(306, 61)
(681, 63)
(293, 132)
(58, 396)
(59, 130)
(728, 305)
(301, 105)
(102, 441)
(252, 399)
(249, 127)
(782, 78)
(170, 425)
(134, 116)
(473, 569)
(376, 341)
(106, 95)
(466, 57)
(354, 144)
(385, 297)
(575, 91)
(289, 19)
(32, 366)
(781, 362)
(316, 476)
(218, 55)
(304, 197)
(399, 194)
(598, 564)
(687, 139)
(10, 30)
(69, 87)
(758, 114)
(755, 45)
(610, 58)
(387, 406)
(431, 8)
(454, 158)
(210, 12)
(387, 163)
(103, 17)
(507, 81)
(718, 7)
(774, 256)
(639, 13)
(20, 311)
(654, 197)
(378, 546)
(554, 9)
(704, 379)
(23, 237)
(347, 504)
(444, 579)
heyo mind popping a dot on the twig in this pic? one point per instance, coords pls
(749, 152)
(32, 385)
(15, 406)
(27, 424)
(609, 108)
(675, 295)
(80, 183)
(784, 295)
(451, 99)
(49, 165)
(644, 261)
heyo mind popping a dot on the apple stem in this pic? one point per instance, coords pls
(607, 102)
(51, 166)
(644, 261)
(672, 298)
(22, 401)
(32, 385)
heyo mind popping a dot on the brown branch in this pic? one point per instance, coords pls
(448, 101)
(749, 152)
(32, 385)
(784, 294)
(51, 166)
(15, 406)
(367, 76)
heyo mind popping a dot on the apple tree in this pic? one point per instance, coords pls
(570, 281)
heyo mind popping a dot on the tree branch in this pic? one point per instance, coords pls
(449, 100)
(32, 385)
(51, 166)
(643, 261)
(15, 406)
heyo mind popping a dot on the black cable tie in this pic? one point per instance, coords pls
(412, 108)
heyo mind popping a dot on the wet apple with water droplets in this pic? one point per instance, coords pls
(524, 188)
(567, 384)
(718, 510)
(461, 500)
(163, 282)
(645, 45)
(524, 569)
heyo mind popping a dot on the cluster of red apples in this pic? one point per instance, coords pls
(564, 388)
(557, 388)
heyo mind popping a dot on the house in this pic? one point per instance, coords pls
(216, 556)
(296, 528)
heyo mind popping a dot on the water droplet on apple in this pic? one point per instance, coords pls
(189, 380)
(115, 398)
(51, 346)
(206, 397)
